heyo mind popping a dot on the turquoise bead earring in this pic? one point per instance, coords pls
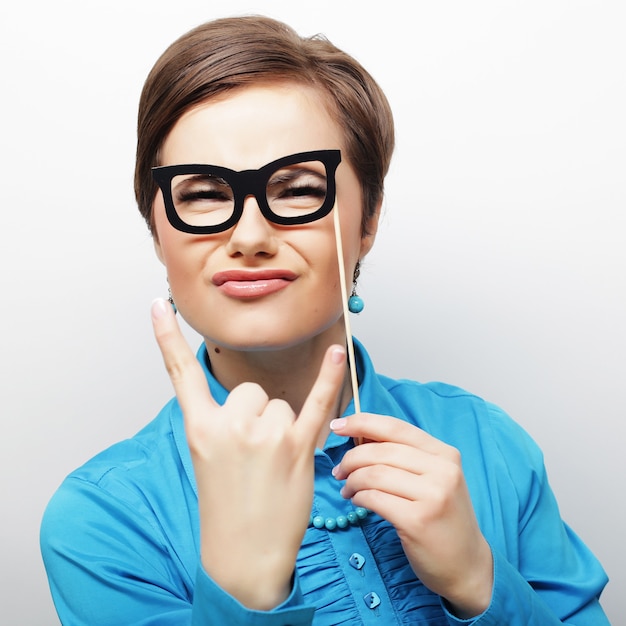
(355, 302)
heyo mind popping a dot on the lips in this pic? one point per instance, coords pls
(247, 284)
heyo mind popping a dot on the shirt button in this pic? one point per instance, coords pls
(357, 560)
(371, 600)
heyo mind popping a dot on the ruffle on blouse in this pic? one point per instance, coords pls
(322, 581)
(324, 585)
(415, 603)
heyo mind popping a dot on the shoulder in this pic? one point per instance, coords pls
(149, 446)
(462, 418)
(433, 403)
(448, 412)
(121, 477)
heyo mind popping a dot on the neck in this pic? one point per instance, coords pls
(286, 373)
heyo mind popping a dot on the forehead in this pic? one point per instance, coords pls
(252, 126)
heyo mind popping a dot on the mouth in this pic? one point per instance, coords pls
(247, 284)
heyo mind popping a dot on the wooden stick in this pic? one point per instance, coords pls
(346, 314)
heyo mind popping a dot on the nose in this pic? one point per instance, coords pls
(252, 235)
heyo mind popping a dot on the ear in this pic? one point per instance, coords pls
(368, 238)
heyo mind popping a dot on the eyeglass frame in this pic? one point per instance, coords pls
(245, 183)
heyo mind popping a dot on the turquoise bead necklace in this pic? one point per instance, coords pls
(353, 518)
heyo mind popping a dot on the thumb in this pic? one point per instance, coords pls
(322, 399)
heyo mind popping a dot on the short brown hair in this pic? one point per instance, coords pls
(235, 52)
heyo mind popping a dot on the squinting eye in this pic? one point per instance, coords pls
(297, 181)
(201, 189)
(298, 190)
(201, 194)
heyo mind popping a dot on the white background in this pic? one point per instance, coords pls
(500, 264)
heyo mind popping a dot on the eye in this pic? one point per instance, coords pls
(304, 189)
(201, 192)
(298, 188)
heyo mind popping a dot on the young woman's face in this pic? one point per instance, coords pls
(260, 285)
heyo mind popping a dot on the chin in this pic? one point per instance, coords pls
(265, 339)
(266, 344)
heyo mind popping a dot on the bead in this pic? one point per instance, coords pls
(342, 521)
(318, 521)
(353, 518)
(355, 304)
(361, 512)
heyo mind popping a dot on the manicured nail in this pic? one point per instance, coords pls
(338, 423)
(338, 355)
(159, 308)
(335, 470)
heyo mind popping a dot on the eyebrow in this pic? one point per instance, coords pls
(199, 177)
(287, 173)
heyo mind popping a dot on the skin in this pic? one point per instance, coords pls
(278, 341)
(281, 356)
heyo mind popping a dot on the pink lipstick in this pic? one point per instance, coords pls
(246, 284)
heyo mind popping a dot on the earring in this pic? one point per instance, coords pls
(355, 303)
(171, 300)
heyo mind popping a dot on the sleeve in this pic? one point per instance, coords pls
(553, 578)
(108, 564)
(218, 607)
(516, 603)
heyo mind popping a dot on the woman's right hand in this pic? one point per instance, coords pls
(253, 459)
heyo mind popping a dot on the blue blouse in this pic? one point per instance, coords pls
(120, 537)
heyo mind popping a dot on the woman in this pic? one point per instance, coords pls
(260, 166)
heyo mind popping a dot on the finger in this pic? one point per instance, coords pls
(322, 399)
(434, 486)
(391, 480)
(247, 399)
(433, 496)
(397, 511)
(396, 455)
(254, 421)
(185, 372)
(385, 428)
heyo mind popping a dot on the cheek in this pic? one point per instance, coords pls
(324, 260)
(174, 248)
(350, 225)
(350, 203)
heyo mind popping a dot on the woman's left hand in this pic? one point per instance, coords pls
(416, 482)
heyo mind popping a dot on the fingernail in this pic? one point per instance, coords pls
(159, 308)
(338, 423)
(337, 355)
(335, 470)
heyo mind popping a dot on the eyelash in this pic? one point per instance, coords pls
(305, 189)
(186, 196)
(283, 187)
